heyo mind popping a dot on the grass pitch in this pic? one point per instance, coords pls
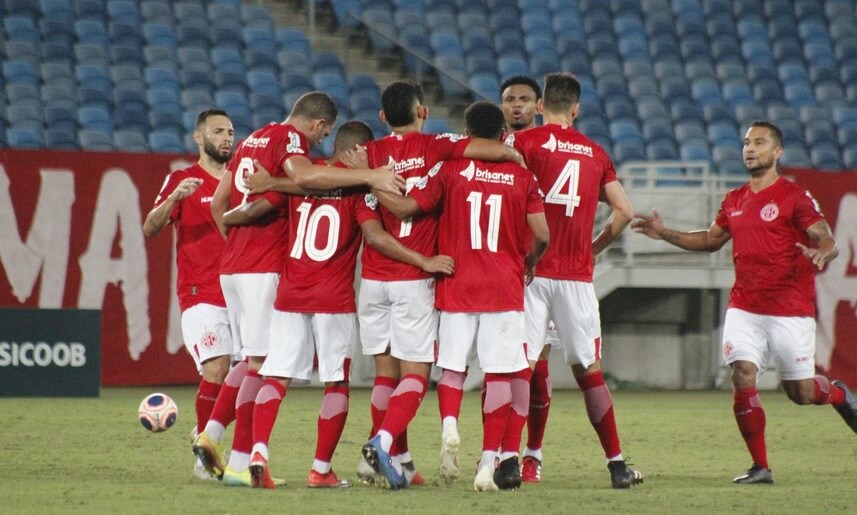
(92, 456)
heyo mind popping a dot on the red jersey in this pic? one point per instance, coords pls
(771, 275)
(260, 247)
(410, 156)
(318, 274)
(199, 245)
(572, 170)
(483, 226)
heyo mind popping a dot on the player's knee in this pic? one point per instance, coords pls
(215, 369)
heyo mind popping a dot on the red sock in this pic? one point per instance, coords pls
(206, 396)
(224, 407)
(331, 421)
(520, 389)
(403, 407)
(495, 410)
(381, 392)
(267, 407)
(242, 440)
(450, 390)
(751, 422)
(599, 408)
(540, 404)
(825, 393)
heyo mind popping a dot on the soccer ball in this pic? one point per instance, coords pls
(158, 412)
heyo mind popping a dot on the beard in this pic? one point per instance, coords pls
(759, 168)
(216, 154)
(521, 124)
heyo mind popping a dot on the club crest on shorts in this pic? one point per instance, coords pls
(727, 349)
(209, 339)
(769, 212)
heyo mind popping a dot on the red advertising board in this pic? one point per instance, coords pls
(836, 342)
(71, 237)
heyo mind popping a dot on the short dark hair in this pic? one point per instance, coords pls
(397, 101)
(562, 90)
(203, 116)
(484, 120)
(775, 131)
(350, 134)
(521, 80)
(316, 105)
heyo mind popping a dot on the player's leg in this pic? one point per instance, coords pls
(335, 336)
(793, 343)
(237, 472)
(290, 356)
(580, 332)
(746, 351)
(503, 357)
(537, 320)
(374, 314)
(456, 337)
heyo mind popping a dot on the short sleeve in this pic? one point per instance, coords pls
(428, 191)
(721, 219)
(366, 208)
(535, 198)
(807, 211)
(171, 182)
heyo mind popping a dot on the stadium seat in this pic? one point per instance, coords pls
(95, 140)
(25, 137)
(61, 139)
(166, 141)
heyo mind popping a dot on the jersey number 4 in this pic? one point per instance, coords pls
(308, 229)
(495, 207)
(564, 190)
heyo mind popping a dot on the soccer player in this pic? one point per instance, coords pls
(318, 262)
(254, 256)
(519, 98)
(184, 201)
(575, 173)
(491, 215)
(398, 321)
(780, 239)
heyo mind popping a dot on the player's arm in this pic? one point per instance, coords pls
(321, 177)
(375, 235)
(826, 250)
(261, 181)
(541, 238)
(248, 212)
(220, 201)
(614, 195)
(402, 207)
(159, 216)
(707, 241)
(490, 150)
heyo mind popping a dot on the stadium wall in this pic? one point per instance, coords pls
(70, 237)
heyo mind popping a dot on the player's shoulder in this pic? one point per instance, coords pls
(192, 170)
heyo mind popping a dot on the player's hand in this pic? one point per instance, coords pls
(439, 264)
(259, 181)
(356, 157)
(817, 256)
(385, 180)
(530, 268)
(651, 226)
(186, 188)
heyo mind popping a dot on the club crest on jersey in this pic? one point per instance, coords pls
(435, 169)
(510, 140)
(371, 201)
(553, 145)
(422, 183)
(769, 212)
(294, 146)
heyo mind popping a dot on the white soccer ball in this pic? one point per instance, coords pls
(158, 412)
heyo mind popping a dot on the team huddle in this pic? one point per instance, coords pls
(463, 256)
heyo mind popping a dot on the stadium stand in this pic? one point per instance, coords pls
(662, 79)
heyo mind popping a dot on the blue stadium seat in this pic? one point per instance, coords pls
(25, 138)
(193, 34)
(342, 11)
(61, 139)
(20, 72)
(61, 118)
(795, 156)
(156, 12)
(264, 82)
(95, 140)
(88, 53)
(92, 10)
(130, 141)
(161, 56)
(59, 96)
(95, 118)
(825, 156)
(161, 77)
(19, 28)
(166, 141)
(124, 11)
(58, 74)
(487, 85)
(256, 16)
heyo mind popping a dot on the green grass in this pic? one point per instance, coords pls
(92, 456)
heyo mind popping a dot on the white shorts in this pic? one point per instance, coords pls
(399, 315)
(498, 339)
(790, 341)
(250, 302)
(573, 307)
(295, 338)
(206, 334)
